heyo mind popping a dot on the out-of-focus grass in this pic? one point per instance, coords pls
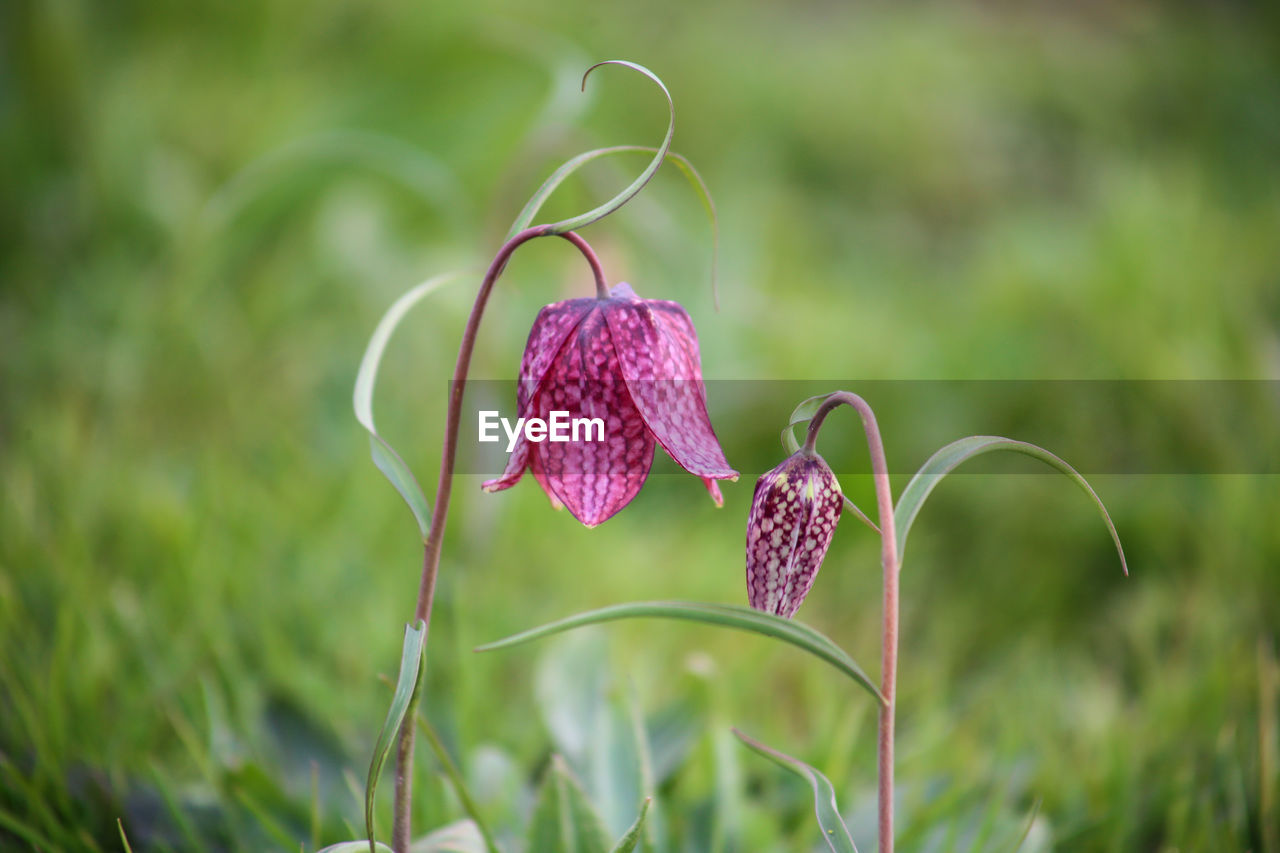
(201, 575)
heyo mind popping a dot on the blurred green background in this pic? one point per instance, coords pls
(207, 206)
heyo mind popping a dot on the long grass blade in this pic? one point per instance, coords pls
(31, 835)
(451, 770)
(834, 830)
(563, 819)
(627, 194)
(1027, 827)
(945, 461)
(628, 841)
(407, 686)
(384, 455)
(549, 186)
(723, 615)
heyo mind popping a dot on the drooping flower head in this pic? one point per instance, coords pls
(634, 364)
(793, 517)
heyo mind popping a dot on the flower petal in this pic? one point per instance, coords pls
(594, 479)
(517, 461)
(535, 467)
(714, 488)
(657, 349)
(814, 540)
(793, 517)
(679, 325)
(551, 328)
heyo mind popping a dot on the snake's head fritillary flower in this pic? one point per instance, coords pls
(793, 517)
(634, 364)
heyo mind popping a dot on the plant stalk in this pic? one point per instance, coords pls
(889, 561)
(401, 830)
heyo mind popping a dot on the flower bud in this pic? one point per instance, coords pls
(793, 517)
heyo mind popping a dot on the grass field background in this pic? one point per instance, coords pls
(206, 208)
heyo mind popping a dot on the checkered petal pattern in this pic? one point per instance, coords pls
(632, 363)
(793, 517)
(658, 353)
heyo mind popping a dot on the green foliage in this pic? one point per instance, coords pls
(948, 458)
(563, 819)
(384, 455)
(733, 616)
(834, 832)
(201, 577)
(404, 701)
(631, 838)
(600, 212)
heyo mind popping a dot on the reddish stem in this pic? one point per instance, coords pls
(444, 487)
(889, 560)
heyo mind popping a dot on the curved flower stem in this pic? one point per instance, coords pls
(400, 831)
(889, 560)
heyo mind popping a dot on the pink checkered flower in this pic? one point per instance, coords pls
(793, 517)
(634, 364)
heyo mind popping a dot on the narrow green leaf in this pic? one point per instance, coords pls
(407, 686)
(355, 847)
(176, 812)
(725, 615)
(628, 842)
(991, 817)
(834, 831)
(531, 208)
(789, 442)
(945, 461)
(727, 787)
(261, 797)
(627, 194)
(709, 205)
(1030, 824)
(41, 812)
(526, 217)
(315, 804)
(573, 686)
(654, 829)
(384, 455)
(28, 833)
(858, 513)
(564, 820)
(802, 413)
(459, 784)
(124, 839)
